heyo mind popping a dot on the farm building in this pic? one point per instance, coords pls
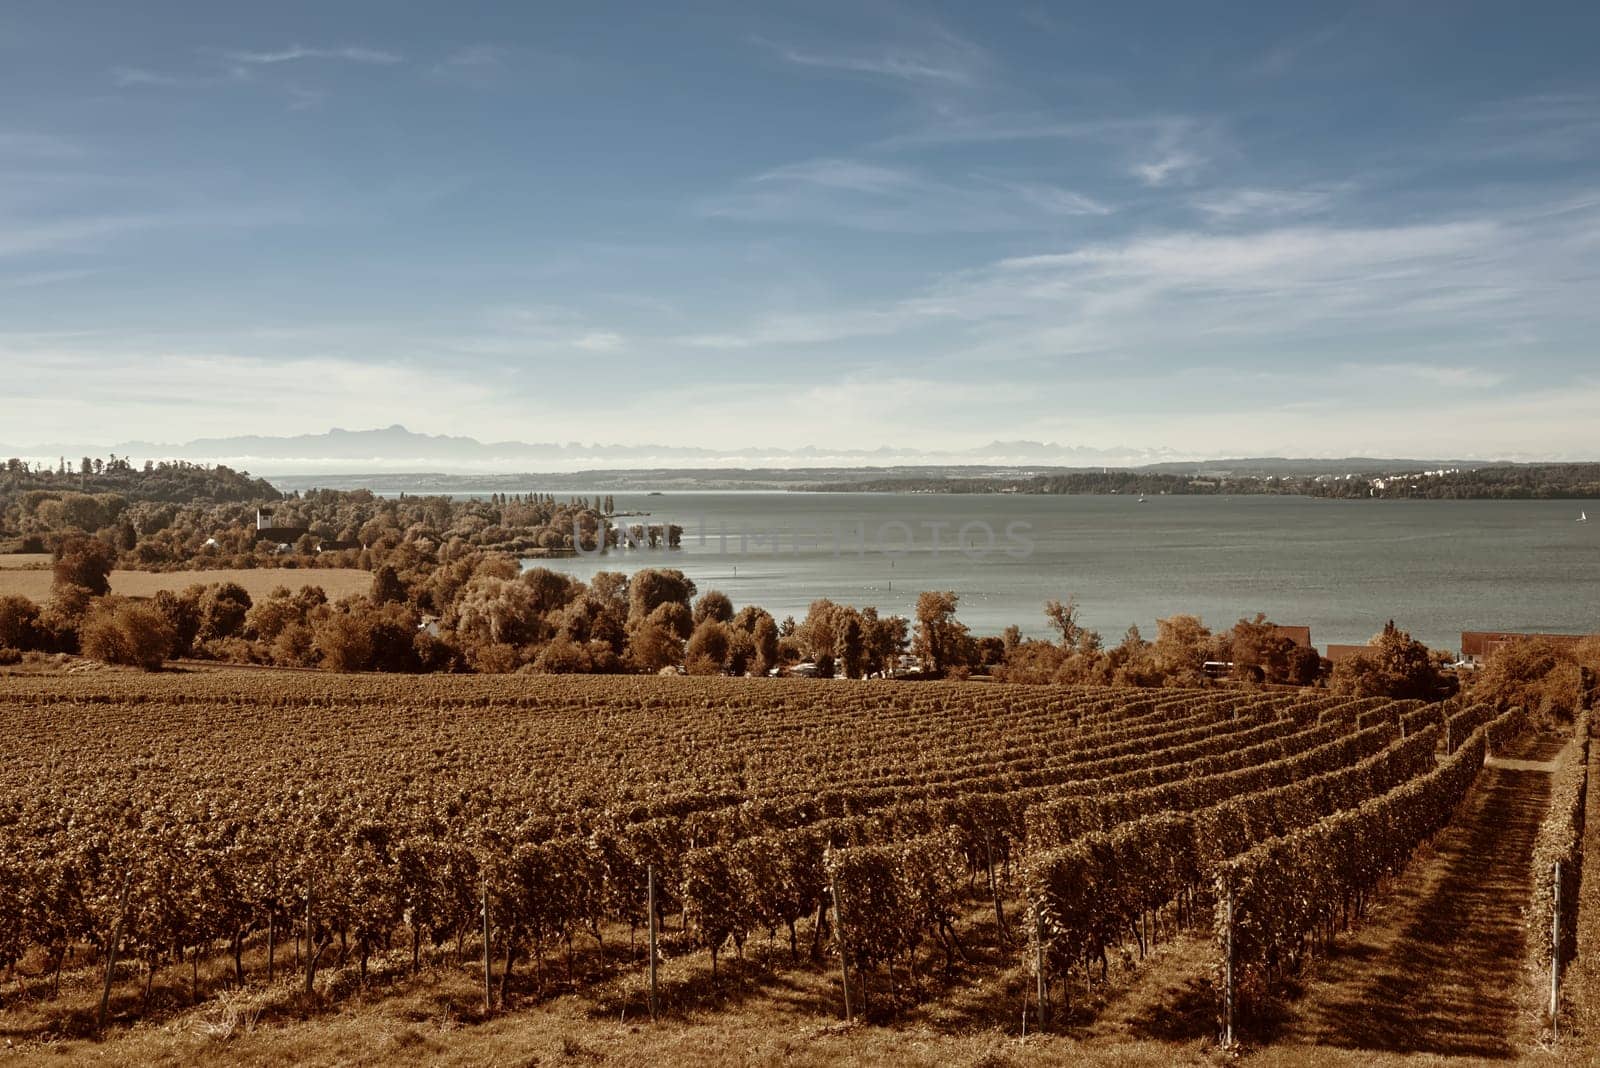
(267, 530)
(1337, 653)
(1301, 636)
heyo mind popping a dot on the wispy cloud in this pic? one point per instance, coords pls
(1157, 150)
(1171, 165)
(866, 195)
(1550, 126)
(141, 77)
(74, 234)
(1283, 57)
(963, 128)
(478, 56)
(43, 278)
(1255, 204)
(297, 53)
(850, 174)
(1055, 200)
(599, 341)
(1439, 375)
(476, 66)
(938, 56)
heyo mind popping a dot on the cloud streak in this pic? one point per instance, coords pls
(298, 53)
(938, 58)
(877, 197)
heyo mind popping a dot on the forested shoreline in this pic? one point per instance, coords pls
(1509, 482)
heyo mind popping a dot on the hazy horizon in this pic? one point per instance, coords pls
(397, 450)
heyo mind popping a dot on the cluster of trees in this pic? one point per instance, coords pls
(1256, 649)
(842, 640)
(1548, 679)
(481, 611)
(172, 482)
(325, 528)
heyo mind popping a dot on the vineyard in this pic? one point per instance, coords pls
(321, 836)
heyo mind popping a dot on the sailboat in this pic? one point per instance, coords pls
(1583, 517)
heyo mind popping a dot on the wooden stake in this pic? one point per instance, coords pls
(844, 958)
(488, 996)
(1038, 962)
(311, 954)
(111, 956)
(650, 894)
(1555, 958)
(994, 888)
(1227, 983)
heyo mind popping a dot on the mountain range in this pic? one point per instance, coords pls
(395, 448)
(398, 455)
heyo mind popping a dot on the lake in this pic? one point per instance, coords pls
(1341, 567)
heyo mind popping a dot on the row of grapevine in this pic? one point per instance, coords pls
(1560, 841)
(1057, 822)
(1277, 899)
(1091, 894)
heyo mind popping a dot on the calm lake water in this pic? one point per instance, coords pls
(1341, 567)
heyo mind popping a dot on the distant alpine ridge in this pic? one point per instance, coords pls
(394, 450)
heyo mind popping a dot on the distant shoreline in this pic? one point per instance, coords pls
(1274, 478)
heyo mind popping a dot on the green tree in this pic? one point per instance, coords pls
(940, 642)
(851, 647)
(85, 562)
(715, 605)
(1394, 665)
(387, 587)
(708, 648)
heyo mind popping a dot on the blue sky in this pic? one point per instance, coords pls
(1275, 228)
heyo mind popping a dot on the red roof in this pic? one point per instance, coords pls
(1484, 642)
(1301, 636)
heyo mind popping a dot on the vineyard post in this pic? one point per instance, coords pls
(844, 956)
(994, 887)
(1555, 957)
(311, 957)
(650, 895)
(1038, 961)
(111, 955)
(488, 1002)
(1227, 974)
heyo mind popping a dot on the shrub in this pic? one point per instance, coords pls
(127, 632)
(19, 623)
